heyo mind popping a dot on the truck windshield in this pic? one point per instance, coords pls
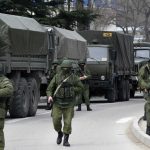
(142, 53)
(97, 53)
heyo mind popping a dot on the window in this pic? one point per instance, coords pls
(142, 53)
(98, 53)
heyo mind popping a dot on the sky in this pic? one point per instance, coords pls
(85, 2)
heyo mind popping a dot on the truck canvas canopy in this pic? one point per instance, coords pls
(70, 44)
(22, 36)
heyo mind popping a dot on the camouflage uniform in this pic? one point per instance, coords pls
(85, 93)
(144, 83)
(6, 90)
(55, 69)
(64, 100)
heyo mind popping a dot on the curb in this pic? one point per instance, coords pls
(139, 133)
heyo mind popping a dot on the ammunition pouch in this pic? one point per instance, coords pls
(66, 91)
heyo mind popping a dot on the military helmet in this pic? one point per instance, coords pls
(66, 63)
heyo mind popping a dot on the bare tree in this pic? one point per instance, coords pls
(128, 14)
(146, 12)
(134, 14)
(105, 17)
(79, 4)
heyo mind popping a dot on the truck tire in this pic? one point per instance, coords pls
(122, 95)
(127, 90)
(19, 106)
(112, 94)
(34, 96)
(132, 93)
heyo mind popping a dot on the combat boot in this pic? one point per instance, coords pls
(148, 130)
(79, 108)
(66, 137)
(88, 108)
(59, 138)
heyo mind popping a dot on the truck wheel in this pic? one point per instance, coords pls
(132, 93)
(34, 96)
(127, 90)
(122, 95)
(20, 104)
(112, 95)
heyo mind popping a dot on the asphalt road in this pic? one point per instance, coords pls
(107, 127)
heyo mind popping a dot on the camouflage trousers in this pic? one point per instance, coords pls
(147, 107)
(2, 141)
(84, 95)
(2, 120)
(65, 114)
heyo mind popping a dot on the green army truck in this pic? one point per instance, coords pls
(110, 61)
(141, 56)
(26, 53)
(70, 44)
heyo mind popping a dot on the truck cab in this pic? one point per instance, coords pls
(98, 62)
(110, 62)
(141, 56)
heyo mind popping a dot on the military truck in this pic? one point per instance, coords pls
(26, 53)
(141, 56)
(110, 62)
(70, 44)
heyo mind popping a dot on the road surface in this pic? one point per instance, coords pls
(107, 127)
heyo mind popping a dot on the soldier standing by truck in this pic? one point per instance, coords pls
(61, 91)
(55, 69)
(144, 83)
(84, 76)
(6, 91)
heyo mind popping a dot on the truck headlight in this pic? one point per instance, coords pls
(102, 77)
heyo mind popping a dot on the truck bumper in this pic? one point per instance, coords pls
(100, 84)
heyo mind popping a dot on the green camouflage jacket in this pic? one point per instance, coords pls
(6, 91)
(84, 72)
(65, 96)
(144, 77)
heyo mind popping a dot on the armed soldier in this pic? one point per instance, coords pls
(55, 69)
(84, 75)
(6, 91)
(144, 83)
(62, 90)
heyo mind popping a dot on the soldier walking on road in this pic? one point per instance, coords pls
(84, 76)
(144, 83)
(61, 91)
(6, 91)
